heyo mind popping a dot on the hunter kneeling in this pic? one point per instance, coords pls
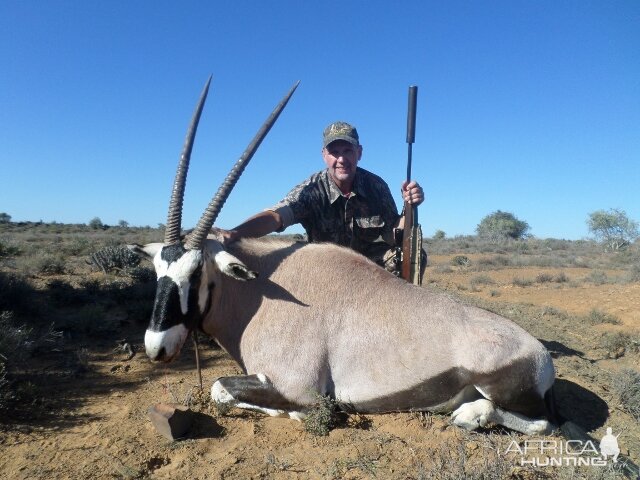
(342, 204)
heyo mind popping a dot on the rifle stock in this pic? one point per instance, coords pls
(406, 242)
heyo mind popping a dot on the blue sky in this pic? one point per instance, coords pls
(527, 107)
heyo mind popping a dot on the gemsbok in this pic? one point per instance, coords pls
(320, 319)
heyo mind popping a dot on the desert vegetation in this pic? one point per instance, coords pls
(74, 305)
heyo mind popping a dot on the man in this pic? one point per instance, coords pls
(343, 204)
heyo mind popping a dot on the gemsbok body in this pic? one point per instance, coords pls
(304, 320)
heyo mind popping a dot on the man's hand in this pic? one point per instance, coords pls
(412, 193)
(228, 236)
(261, 224)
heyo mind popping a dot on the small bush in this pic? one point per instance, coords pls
(222, 408)
(142, 274)
(47, 264)
(554, 312)
(443, 269)
(522, 282)
(63, 293)
(597, 277)
(627, 385)
(17, 343)
(618, 343)
(460, 261)
(16, 294)
(596, 317)
(120, 291)
(544, 278)
(561, 278)
(88, 319)
(633, 275)
(495, 261)
(81, 361)
(78, 246)
(8, 249)
(321, 416)
(9, 394)
(481, 280)
(91, 286)
(14, 339)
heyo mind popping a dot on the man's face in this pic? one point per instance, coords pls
(341, 158)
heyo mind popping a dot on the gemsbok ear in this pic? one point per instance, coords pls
(147, 251)
(232, 267)
(239, 272)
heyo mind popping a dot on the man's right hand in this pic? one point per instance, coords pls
(228, 236)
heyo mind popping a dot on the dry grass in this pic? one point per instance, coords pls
(67, 297)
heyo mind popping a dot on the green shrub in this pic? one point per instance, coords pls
(501, 225)
(613, 228)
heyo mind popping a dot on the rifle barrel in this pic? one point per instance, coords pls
(411, 125)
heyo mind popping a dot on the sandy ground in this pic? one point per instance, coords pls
(93, 423)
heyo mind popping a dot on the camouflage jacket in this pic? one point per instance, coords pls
(363, 222)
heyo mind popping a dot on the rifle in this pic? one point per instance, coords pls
(412, 235)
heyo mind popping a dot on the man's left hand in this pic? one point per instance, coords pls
(412, 193)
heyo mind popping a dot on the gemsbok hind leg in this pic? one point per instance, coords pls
(254, 392)
(482, 412)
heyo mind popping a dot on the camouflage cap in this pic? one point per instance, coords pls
(340, 131)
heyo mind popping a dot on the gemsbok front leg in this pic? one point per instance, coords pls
(254, 392)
